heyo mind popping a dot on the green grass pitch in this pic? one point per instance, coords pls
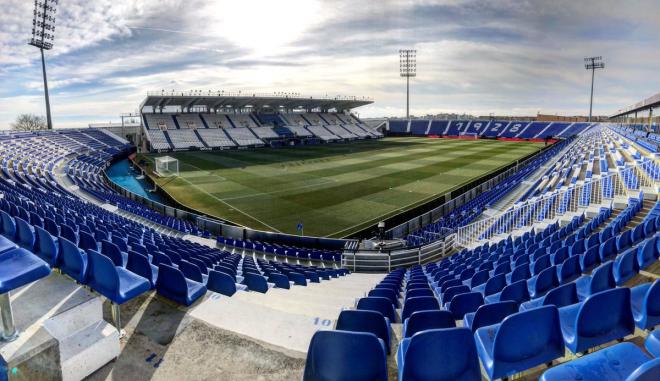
(334, 189)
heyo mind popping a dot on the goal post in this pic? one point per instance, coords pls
(469, 135)
(167, 166)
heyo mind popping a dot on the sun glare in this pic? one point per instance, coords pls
(265, 26)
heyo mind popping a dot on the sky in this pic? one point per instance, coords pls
(479, 57)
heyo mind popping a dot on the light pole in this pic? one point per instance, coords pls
(593, 63)
(43, 35)
(408, 68)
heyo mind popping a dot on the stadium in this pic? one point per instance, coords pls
(246, 235)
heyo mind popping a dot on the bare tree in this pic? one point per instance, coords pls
(29, 122)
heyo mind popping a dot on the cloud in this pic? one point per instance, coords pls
(478, 56)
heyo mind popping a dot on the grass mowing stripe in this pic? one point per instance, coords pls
(334, 187)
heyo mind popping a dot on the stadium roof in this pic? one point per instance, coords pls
(213, 100)
(651, 102)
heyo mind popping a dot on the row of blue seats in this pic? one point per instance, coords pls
(528, 338)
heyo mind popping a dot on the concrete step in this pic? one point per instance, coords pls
(87, 350)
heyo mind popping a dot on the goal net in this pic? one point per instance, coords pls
(167, 166)
(469, 135)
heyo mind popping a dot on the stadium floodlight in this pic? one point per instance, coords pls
(593, 63)
(408, 68)
(43, 36)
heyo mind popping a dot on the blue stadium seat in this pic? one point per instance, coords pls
(569, 270)
(365, 321)
(559, 297)
(114, 282)
(389, 294)
(378, 304)
(48, 248)
(430, 319)
(18, 267)
(516, 291)
(298, 279)
(6, 244)
(625, 266)
(612, 363)
(172, 284)
(521, 341)
(222, 283)
(24, 234)
(649, 371)
(543, 282)
(113, 252)
(422, 303)
(645, 304)
(600, 279)
(139, 264)
(464, 303)
(279, 280)
(449, 293)
(492, 286)
(417, 360)
(340, 355)
(8, 226)
(652, 343)
(489, 314)
(73, 261)
(647, 253)
(602, 317)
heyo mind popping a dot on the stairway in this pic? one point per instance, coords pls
(169, 140)
(201, 139)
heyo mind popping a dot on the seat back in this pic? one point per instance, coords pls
(605, 312)
(73, 260)
(112, 251)
(602, 278)
(647, 253)
(47, 249)
(86, 241)
(191, 271)
(364, 321)
(102, 274)
(385, 293)
(569, 269)
(649, 371)
(454, 345)
(171, 280)
(540, 264)
(341, 355)
(431, 319)
(24, 234)
(652, 300)
(464, 303)
(624, 240)
(561, 296)
(625, 266)
(256, 282)
(545, 281)
(520, 272)
(69, 233)
(139, 264)
(516, 291)
(420, 303)
(493, 313)
(280, 280)
(480, 277)
(608, 249)
(451, 292)
(221, 283)
(8, 225)
(495, 284)
(510, 346)
(378, 304)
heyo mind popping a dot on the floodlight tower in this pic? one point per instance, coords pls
(43, 35)
(593, 63)
(408, 68)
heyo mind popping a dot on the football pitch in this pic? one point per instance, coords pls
(333, 190)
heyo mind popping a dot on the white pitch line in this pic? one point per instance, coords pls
(229, 205)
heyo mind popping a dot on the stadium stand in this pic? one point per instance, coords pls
(486, 129)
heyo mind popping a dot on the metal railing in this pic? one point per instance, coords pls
(601, 190)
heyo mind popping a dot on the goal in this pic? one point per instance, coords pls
(469, 135)
(167, 166)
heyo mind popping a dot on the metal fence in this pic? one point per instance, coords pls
(601, 190)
